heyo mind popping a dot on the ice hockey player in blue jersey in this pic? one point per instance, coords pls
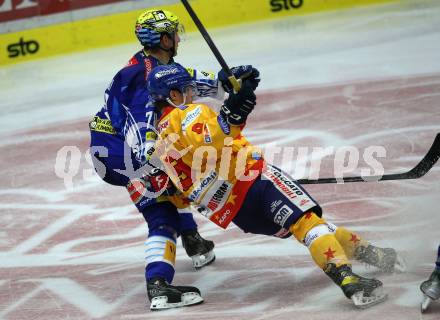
(431, 287)
(122, 138)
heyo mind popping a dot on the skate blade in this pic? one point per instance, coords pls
(187, 299)
(425, 303)
(202, 260)
(429, 291)
(362, 302)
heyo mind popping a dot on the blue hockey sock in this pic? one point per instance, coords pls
(160, 255)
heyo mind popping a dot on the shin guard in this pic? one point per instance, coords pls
(322, 243)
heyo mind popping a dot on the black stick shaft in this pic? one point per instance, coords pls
(211, 44)
(418, 171)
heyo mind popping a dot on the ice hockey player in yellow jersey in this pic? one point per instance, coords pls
(212, 167)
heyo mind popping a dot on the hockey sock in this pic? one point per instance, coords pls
(322, 243)
(437, 263)
(160, 255)
(349, 240)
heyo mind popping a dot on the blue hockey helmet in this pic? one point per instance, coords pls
(162, 79)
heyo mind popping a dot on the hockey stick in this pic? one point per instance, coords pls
(234, 82)
(418, 171)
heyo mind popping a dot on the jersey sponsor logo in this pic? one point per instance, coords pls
(101, 125)
(208, 75)
(278, 5)
(168, 72)
(204, 184)
(163, 125)
(224, 125)
(224, 216)
(221, 193)
(289, 189)
(282, 215)
(207, 134)
(21, 48)
(190, 117)
(284, 183)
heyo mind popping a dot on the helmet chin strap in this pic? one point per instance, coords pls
(177, 106)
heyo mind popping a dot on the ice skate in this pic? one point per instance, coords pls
(362, 291)
(430, 289)
(198, 249)
(165, 296)
(386, 259)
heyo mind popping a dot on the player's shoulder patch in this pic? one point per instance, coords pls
(101, 125)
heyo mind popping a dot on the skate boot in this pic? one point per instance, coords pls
(362, 291)
(430, 289)
(385, 259)
(165, 296)
(198, 249)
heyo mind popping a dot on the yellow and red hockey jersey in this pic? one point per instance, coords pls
(210, 162)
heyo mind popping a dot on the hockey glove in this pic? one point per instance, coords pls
(158, 181)
(241, 72)
(239, 105)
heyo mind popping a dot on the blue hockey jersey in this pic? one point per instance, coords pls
(126, 118)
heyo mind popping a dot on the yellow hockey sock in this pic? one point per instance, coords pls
(326, 249)
(323, 245)
(349, 240)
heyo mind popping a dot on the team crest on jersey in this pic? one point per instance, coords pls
(197, 128)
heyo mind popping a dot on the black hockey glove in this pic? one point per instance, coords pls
(239, 105)
(241, 72)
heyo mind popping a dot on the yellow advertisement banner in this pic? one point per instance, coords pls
(119, 28)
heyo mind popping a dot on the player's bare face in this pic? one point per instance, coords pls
(180, 98)
(176, 42)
